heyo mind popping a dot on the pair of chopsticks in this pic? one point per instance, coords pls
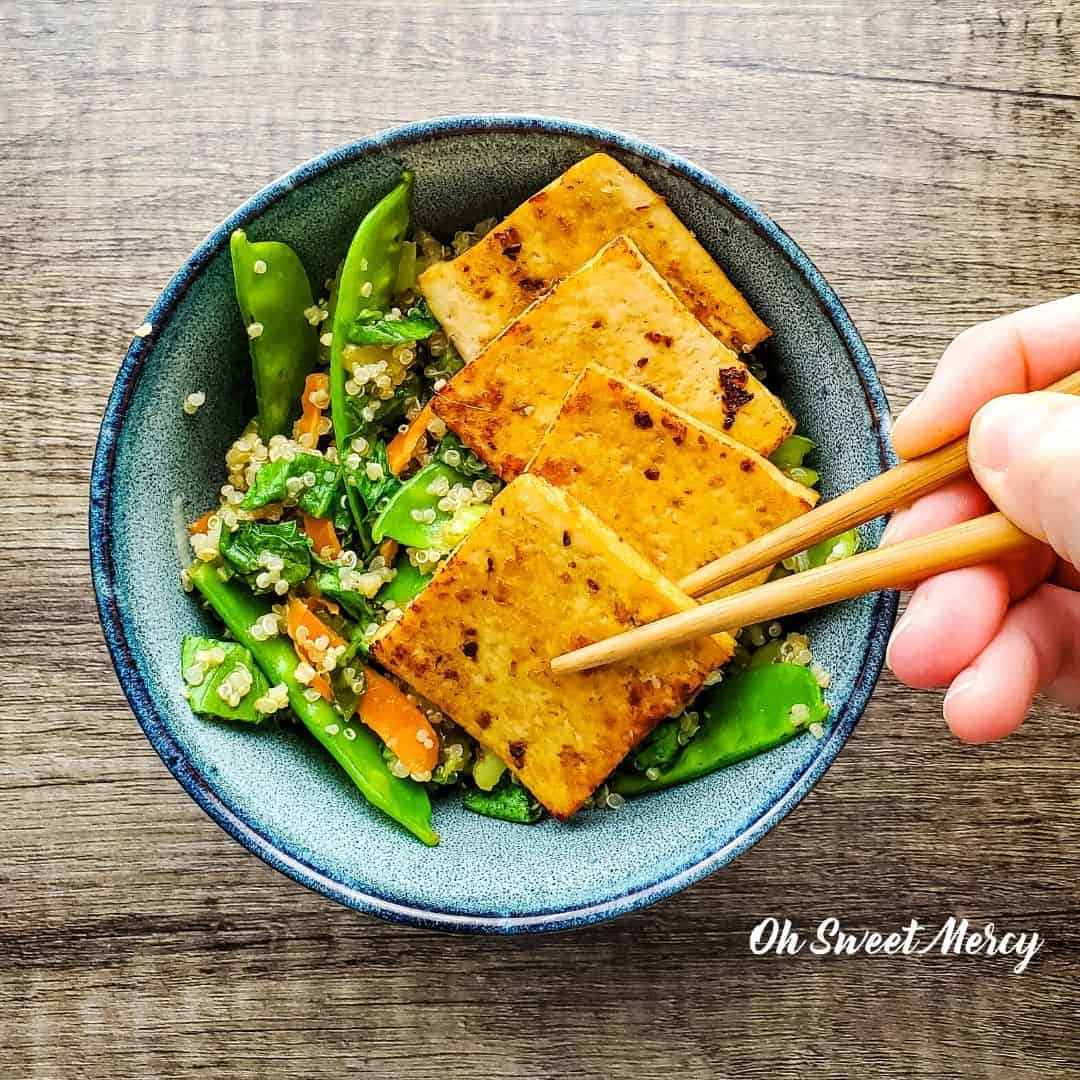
(896, 566)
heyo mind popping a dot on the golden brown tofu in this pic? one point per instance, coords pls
(679, 492)
(540, 575)
(615, 311)
(477, 294)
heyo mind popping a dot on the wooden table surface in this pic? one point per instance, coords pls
(926, 157)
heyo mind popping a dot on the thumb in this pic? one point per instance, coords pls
(1024, 451)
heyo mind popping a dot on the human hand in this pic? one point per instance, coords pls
(999, 633)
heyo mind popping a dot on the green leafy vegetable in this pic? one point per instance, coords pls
(417, 324)
(271, 484)
(445, 366)
(744, 715)
(508, 801)
(357, 606)
(375, 491)
(453, 452)
(207, 664)
(247, 549)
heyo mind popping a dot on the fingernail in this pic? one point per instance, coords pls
(960, 686)
(1000, 427)
(892, 527)
(909, 619)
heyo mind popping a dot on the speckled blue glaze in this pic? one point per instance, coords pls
(276, 792)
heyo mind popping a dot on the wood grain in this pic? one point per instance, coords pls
(925, 156)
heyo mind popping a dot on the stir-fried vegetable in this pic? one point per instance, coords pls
(508, 801)
(789, 456)
(400, 724)
(313, 403)
(412, 516)
(268, 555)
(825, 551)
(222, 680)
(366, 283)
(744, 715)
(355, 749)
(408, 583)
(487, 769)
(403, 447)
(417, 324)
(308, 479)
(273, 291)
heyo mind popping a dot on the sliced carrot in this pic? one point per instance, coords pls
(201, 524)
(308, 424)
(305, 628)
(388, 549)
(384, 708)
(322, 535)
(399, 723)
(402, 447)
(317, 602)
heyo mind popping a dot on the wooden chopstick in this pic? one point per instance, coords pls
(971, 542)
(878, 496)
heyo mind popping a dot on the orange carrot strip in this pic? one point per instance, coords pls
(388, 549)
(201, 524)
(399, 723)
(403, 446)
(311, 414)
(299, 617)
(316, 601)
(322, 535)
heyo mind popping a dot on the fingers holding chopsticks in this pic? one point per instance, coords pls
(1034, 651)
(1026, 350)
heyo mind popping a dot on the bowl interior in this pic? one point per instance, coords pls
(276, 790)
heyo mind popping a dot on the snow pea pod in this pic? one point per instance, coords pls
(415, 494)
(273, 291)
(408, 583)
(366, 283)
(744, 715)
(361, 757)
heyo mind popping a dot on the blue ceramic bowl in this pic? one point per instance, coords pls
(279, 794)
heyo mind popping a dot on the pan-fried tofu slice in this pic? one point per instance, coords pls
(615, 311)
(679, 492)
(539, 575)
(477, 294)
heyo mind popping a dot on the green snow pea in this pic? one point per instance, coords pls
(792, 451)
(825, 551)
(789, 456)
(273, 291)
(202, 682)
(397, 520)
(365, 283)
(508, 801)
(361, 757)
(744, 715)
(487, 769)
(408, 583)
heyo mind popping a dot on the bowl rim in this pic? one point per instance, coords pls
(250, 833)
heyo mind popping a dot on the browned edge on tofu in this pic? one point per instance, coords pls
(539, 575)
(477, 294)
